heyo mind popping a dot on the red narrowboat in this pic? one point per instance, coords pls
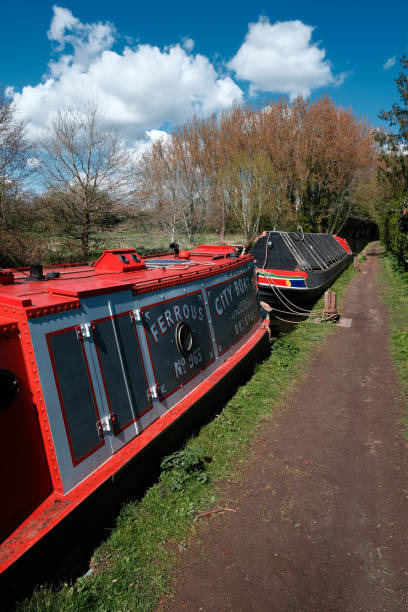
(97, 360)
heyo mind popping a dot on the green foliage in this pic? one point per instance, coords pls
(393, 168)
(394, 144)
(394, 287)
(185, 465)
(393, 239)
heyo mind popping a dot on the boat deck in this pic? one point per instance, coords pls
(80, 280)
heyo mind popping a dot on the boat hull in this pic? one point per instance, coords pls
(84, 524)
(284, 298)
(108, 358)
(294, 269)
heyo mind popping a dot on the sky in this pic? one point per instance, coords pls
(153, 65)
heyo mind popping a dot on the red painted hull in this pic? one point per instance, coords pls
(46, 479)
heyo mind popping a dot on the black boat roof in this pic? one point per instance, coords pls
(297, 250)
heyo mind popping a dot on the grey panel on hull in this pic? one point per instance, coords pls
(133, 362)
(171, 367)
(75, 388)
(234, 309)
(312, 255)
(115, 349)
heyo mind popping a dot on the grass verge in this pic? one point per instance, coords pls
(393, 286)
(132, 568)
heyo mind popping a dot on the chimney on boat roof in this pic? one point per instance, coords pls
(36, 272)
(174, 246)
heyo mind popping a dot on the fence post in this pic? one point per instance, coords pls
(330, 308)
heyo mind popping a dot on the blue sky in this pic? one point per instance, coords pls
(184, 58)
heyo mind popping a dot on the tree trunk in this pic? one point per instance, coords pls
(85, 244)
(222, 228)
(86, 230)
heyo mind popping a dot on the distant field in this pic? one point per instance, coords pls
(157, 240)
(56, 249)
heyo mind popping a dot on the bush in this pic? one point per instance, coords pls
(394, 240)
(19, 249)
(187, 464)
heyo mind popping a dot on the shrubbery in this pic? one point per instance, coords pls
(393, 239)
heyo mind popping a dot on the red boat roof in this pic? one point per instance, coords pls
(115, 270)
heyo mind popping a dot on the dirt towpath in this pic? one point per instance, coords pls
(321, 519)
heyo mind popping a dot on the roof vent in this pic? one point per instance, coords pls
(119, 260)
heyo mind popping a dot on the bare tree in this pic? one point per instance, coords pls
(338, 149)
(252, 186)
(86, 171)
(14, 154)
(192, 178)
(174, 182)
(287, 164)
(159, 188)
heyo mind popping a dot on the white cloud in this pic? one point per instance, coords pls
(281, 58)
(390, 62)
(143, 90)
(139, 89)
(140, 146)
(188, 44)
(33, 162)
(63, 19)
(87, 40)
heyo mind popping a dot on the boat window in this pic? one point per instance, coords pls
(135, 258)
(178, 357)
(184, 338)
(124, 259)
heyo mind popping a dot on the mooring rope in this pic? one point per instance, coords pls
(281, 297)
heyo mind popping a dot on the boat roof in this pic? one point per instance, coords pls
(298, 251)
(62, 286)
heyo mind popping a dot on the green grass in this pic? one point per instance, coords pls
(59, 250)
(156, 239)
(133, 567)
(393, 282)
